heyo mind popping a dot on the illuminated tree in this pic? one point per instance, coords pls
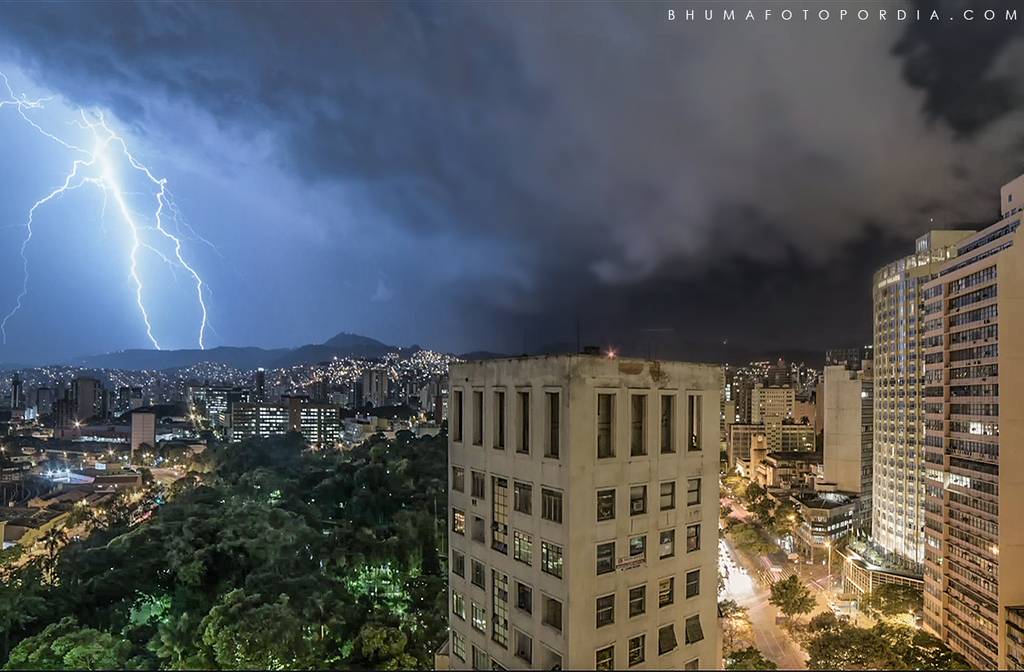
(792, 597)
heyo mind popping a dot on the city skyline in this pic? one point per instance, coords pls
(558, 185)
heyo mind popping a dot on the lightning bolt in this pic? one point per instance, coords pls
(105, 140)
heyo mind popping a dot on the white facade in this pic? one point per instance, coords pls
(583, 514)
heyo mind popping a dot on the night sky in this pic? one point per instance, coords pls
(481, 176)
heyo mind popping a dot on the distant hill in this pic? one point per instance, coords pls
(342, 345)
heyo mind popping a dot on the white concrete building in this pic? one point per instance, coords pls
(583, 514)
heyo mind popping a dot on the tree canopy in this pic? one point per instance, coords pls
(268, 556)
(792, 597)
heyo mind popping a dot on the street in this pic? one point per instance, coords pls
(740, 585)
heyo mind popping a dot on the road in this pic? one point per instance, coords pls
(750, 592)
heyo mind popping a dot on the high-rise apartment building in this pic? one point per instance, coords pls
(583, 513)
(972, 342)
(897, 512)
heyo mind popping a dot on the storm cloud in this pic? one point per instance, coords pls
(726, 180)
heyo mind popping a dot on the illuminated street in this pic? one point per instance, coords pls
(748, 592)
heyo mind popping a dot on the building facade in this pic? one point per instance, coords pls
(848, 415)
(897, 512)
(583, 513)
(973, 352)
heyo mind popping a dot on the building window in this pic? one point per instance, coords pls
(605, 505)
(667, 544)
(499, 514)
(666, 639)
(636, 649)
(478, 485)
(694, 633)
(693, 421)
(606, 557)
(666, 591)
(551, 447)
(668, 495)
(477, 532)
(692, 583)
(637, 425)
(524, 646)
(524, 597)
(456, 420)
(523, 445)
(551, 558)
(692, 538)
(692, 664)
(458, 564)
(522, 547)
(668, 439)
(605, 658)
(551, 505)
(458, 479)
(481, 661)
(637, 600)
(478, 418)
(459, 645)
(551, 612)
(605, 425)
(458, 521)
(522, 495)
(479, 618)
(638, 546)
(637, 500)
(499, 608)
(692, 491)
(477, 573)
(459, 605)
(605, 610)
(499, 420)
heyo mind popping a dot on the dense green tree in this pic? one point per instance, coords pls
(792, 597)
(835, 645)
(383, 647)
(66, 645)
(890, 599)
(749, 658)
(270, 556)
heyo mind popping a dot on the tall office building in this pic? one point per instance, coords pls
(88, 394)
(143, 429)
(44, 400)
(375, 387)
(319, 423)
(897, 512)
(583, 513)
(17, 392)
(973, 354)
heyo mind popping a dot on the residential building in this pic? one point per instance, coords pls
(973, 410)
(790, 469)
(583, 513)
(375, 387)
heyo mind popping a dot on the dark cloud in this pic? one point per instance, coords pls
(586, 158)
